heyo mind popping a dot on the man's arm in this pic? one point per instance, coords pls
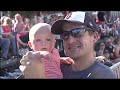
(32, 65)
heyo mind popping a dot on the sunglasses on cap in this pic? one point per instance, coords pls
(76, 32)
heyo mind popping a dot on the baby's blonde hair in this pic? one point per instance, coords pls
(38, 27)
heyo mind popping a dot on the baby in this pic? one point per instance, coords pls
(42, 42)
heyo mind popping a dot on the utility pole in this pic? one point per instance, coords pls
(8, 13)
(1, 13)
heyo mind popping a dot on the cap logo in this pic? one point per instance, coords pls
(76, 16)
(68, 15)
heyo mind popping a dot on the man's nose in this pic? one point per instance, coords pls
(71, 39)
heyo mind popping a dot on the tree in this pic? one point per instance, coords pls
(23, 13)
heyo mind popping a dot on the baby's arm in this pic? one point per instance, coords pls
(66, 60)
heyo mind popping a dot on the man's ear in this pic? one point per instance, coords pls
(96, 37)
(30, 45)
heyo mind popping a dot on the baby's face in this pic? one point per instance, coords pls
(43, 41)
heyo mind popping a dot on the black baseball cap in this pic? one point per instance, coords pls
(80, 17)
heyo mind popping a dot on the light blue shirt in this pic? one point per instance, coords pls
(1, 31)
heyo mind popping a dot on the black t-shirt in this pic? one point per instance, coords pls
(101, 16)
(96, 71)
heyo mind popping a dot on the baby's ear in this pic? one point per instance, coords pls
(54, 42)
(30, 45)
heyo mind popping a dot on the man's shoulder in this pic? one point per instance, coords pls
(96, 71)
(102, 71)
(101, 66)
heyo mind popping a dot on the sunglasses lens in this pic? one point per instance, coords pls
(77, 32)
(65, 35)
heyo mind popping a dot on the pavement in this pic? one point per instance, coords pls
(8, 63)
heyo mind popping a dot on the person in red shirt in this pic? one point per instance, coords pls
(19, 27)
(8, 33)
(4, 45)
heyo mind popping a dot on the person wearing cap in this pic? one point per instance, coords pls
(79, 34)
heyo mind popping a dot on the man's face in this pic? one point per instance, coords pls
(76, 47)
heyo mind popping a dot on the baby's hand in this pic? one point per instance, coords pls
(66, 60)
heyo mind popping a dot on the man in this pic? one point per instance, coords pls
(79, 33)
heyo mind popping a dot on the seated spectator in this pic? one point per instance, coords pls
(95, 17)
(110, 47)
(113, 30)
(20, 28)
(2, 19)
(4, 45)
(7, 33)
(102, 17)
(101, 49)
(117, 50)
(26, 22)
(103, 31)
(107, 60)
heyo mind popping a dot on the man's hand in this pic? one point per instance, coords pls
(32, 65)
(66, 60)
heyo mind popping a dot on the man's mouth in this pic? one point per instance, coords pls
(74, 47)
